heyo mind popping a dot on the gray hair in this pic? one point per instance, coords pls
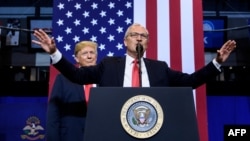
(129, 28)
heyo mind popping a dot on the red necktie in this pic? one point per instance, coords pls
(87, 91)
(135, 74)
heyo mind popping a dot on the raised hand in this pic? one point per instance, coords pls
(45, 41)
(224, 52)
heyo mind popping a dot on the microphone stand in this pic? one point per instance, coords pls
(22, 29)
(139, 50)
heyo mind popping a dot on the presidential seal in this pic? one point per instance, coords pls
(142, 116)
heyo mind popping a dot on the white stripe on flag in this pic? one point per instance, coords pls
(187, 38)
(163, 34)
(140, 12)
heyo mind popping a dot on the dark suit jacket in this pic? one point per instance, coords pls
(110, 73)
(66, 111)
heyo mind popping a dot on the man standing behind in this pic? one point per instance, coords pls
(67, 103)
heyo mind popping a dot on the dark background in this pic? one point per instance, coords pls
(227, 94)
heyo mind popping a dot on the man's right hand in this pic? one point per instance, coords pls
(46, 42)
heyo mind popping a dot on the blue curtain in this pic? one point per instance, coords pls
(22, 118)
(223, 110)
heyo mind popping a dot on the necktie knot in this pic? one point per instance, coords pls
(135, 61)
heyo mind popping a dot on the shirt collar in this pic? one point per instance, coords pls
(129, 60)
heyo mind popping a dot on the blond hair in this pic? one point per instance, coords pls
(83, 44)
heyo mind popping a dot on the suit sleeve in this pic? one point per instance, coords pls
(195, 79)
(53, 112)
(83, 75)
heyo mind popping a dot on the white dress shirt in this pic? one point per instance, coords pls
(127, 82)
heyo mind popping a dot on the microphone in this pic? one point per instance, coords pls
(139, 50)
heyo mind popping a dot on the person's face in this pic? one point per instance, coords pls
(137, 34)
(87, 56)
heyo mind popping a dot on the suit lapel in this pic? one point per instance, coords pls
(149, 71)
(121, 70)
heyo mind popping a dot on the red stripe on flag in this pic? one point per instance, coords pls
(175, 35)
(201, 104)
(151, 24)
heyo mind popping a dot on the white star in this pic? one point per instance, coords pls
(60, 6)
(111, 21)
(76, 39)
(59, 22)
(85, 14)
(102, 30)
(119, 46)
(103, 14)
(68, 30)
(77, 22)
(102, 47)
(94, 22)
(111, 5)
(111, 38)
(128, 4)
(69, 14)
(93, 38)
(59, 38)
(85, 30)
(128, 21)
(119, 29)
(94, 6)
(119, 13)
(67, 47)
(78, 6)
(110, 54)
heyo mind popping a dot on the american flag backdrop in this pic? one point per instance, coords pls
(175, 34)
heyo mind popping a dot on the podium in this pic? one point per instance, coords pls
(135, 114)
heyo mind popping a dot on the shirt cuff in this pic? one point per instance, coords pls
(56, 57)
(216, 64)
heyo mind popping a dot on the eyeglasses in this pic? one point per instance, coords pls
(136, 35)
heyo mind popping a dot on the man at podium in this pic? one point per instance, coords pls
(117, 71)
(134, 70)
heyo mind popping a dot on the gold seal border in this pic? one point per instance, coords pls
(127, 127)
